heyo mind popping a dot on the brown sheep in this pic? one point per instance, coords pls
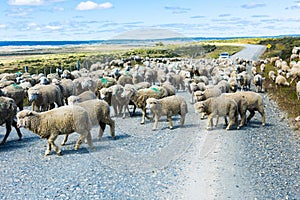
(8, 110)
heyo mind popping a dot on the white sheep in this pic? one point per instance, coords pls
(272, 75)
(281, 81)
(58, 121)
(167, 106)
(218, 107)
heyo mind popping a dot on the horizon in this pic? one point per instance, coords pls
(78, 20)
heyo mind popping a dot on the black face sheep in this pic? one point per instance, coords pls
(167, 106)
(258, 82)
(58, 121)
(8, 110)
(99, 113)
(218, 107)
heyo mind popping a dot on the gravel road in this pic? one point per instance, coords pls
(185, 163)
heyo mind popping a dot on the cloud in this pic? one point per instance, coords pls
(197, 17)
(253, 5)
(2, 26)
(177, 10)
(90, 5)
(224, 15)
(260, 16)
(25, 2)
(297, 6)
(53, 28)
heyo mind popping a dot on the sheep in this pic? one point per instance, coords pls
(272, 75)
(209, 92)
(58, 121)
(255, 103)
(8, 110)
(44, 97)
(67, 88)
(15, 92)
(218, 107)
(258, 81)
(176, 80)
(298, 90)
(281, 81)
(99, 113)
(85, 96)
(295, 72)
(125, 79)
(167, 106)
(244, 80)
(150, 76)
(169, 87)
(83, 84)
(113, 95)
(242, 104)
(233, 84)
(104, 82)
(139, 98)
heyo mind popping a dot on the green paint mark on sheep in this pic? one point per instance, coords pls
(155, 90)
(104, 80)
(16, 86)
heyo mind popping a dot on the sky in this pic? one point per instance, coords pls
(140, 19)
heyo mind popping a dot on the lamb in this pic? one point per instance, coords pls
(87, 95)
(8, 110)
(15, 92)
(44, 97)
(58, 121)
(258, 81)
(281, 81)
(99, 113)
(255, 103)
(168, 106)
(218, 107)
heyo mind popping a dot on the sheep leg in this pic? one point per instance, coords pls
(14, 124)
(111, 123)
(51, 143)
(8, 129)
(89, 141)
(79, 141)
(170, 122)
(243, 119)
(156, 117)
(263, 118)
(182, 119)
(101, 129)
(251, 115)
(231, 121)
(65, 140)
(143, 116)
(209, 122)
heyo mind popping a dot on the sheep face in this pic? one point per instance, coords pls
(200, 107)
(34, 95)
(151, 103)
(23, 118)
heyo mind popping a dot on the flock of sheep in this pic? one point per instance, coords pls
(67, 102)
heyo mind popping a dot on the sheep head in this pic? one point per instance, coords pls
(23, 118)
